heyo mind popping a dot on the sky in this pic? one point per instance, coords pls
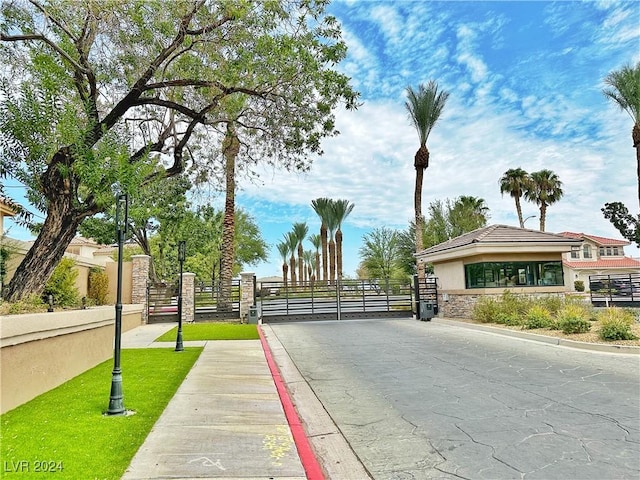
(525, 81)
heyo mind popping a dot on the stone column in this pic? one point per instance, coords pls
(247, 294)
(188, 297)
(139, 279)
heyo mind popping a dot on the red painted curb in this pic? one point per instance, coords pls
(307, 457)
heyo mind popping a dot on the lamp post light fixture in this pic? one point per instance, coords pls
(525, 220)
(182, 254)
(116, 404)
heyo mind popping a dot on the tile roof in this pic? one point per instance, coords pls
(595, 238)
(625, 262)
(500, 234)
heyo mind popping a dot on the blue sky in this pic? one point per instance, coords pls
(525, 82)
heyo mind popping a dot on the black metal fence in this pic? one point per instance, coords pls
(620, 289)
(162, 303)
(217, 301)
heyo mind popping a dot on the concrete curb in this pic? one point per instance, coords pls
(561, 342)
(334, 453)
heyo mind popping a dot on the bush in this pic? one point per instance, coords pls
(62, 284)
(486, 310)
(510, 318)
(573, 318)
(578, 285)
(538, 317)
(30, 304)
(98, 286)
(615, 324)
(551, 304)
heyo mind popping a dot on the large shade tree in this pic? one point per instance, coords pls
(544, 189)
(514, 182)
(100, 98)
(380, 253)
(424, 106)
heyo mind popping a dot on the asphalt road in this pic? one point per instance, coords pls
(420, 400)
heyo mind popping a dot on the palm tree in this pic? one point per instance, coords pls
(467, 214)
(544, 189)
(283, 249)
(316, 241)
(514, 182)
(625, 91)
(308, 257)
(321, 207)
(341, 209)
(292, 241)
(300, 230)
(424, 107)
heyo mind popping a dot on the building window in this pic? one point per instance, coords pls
(586, 251)
(513, 274)
(615, 251)
(575, 252)
(610, 251)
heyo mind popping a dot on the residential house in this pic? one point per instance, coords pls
(597, 256)
(490, 260)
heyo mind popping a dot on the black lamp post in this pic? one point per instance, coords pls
(116, 405)
(182, 254)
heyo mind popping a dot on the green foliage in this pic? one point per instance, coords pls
(615, 324)
(573, 318)
(627, 224)
(380, 253)
(98, 286)
(62, 284)
(29, 304)
(551, 303)
(538, 317)
(578, 285)
(55, 425)
(486, 309)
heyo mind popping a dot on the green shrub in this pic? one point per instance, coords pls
(510, 318)
(514, 304)
(573, 318)
(615, 324)
(538, 317)
(30, 304)
(578, 285)
(486, 310)
(62, 284)
(98, 286)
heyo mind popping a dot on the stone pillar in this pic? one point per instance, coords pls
(139, 279)
(188, 297)
(247, 294)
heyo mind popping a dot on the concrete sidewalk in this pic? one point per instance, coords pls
(225, 421)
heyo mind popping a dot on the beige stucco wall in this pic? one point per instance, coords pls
(41, 351)
(127, 284)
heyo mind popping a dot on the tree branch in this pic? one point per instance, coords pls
(42, 38)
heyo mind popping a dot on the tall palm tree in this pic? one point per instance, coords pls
(316, 241)
(308, 257)
(321, 207)
(424, 106)
(544, 189)
(300, 230)
(625, 91)
(466, 214)
(514, 182)
(341, 209)
(283, 249)
(292, 241)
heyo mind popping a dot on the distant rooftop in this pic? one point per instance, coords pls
(594, 238)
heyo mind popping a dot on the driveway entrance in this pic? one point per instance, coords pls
(423, 400)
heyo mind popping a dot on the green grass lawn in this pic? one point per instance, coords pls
(65, 432)
(212, 331)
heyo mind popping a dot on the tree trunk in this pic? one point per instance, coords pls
(300, 264)
(519, 211)
(339, 253)
(34, 271)
(285, 272)
(543, 216)
(325, 252)
(317, 275)
(636, 143)
(332, 261)
(230, 150)
(419, 219)
(292, 269)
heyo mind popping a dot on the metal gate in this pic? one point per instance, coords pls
(210, 303)
(426, 297)
(162, 303)
(320, 300)
(619, 289)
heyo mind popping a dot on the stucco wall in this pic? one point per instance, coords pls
(127, 275)
(41, 351)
